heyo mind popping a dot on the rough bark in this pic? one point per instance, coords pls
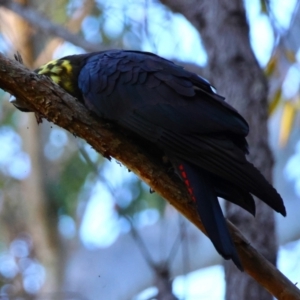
(51, 102)
(233, 69)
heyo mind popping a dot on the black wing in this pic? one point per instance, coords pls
(178, 111)
(119, 83)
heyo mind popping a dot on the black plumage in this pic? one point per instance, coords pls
(179, 113)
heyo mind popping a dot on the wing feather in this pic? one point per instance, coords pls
(178, 111)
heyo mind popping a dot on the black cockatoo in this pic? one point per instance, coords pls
(180, 114)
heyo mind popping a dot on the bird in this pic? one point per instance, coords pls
(179, 113)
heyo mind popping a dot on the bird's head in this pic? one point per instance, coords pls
(63, 71)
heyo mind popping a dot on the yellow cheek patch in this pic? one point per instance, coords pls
(60, 72)
(55, 78)
(56, 69)
(68, 87)
(42, 70)
(47, 67)
(66, 64)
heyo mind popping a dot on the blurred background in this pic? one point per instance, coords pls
(74, 225)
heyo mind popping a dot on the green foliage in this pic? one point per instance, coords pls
(64, 189)
(142, 199)
(5, 115)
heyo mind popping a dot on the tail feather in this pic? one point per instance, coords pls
(201, 189)
(232, 193)
(222, 158)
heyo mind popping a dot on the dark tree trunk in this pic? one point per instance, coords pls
(233, 69)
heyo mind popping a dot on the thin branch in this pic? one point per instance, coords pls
(142, 247)
(50, 101)
(42, 23)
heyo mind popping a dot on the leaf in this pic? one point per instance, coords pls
(287, 119)
(273, 105)
(64, 189)
(271, 66)
(290, 55)
(263, 7)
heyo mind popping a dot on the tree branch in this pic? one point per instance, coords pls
(51, 102)
(42, 23)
